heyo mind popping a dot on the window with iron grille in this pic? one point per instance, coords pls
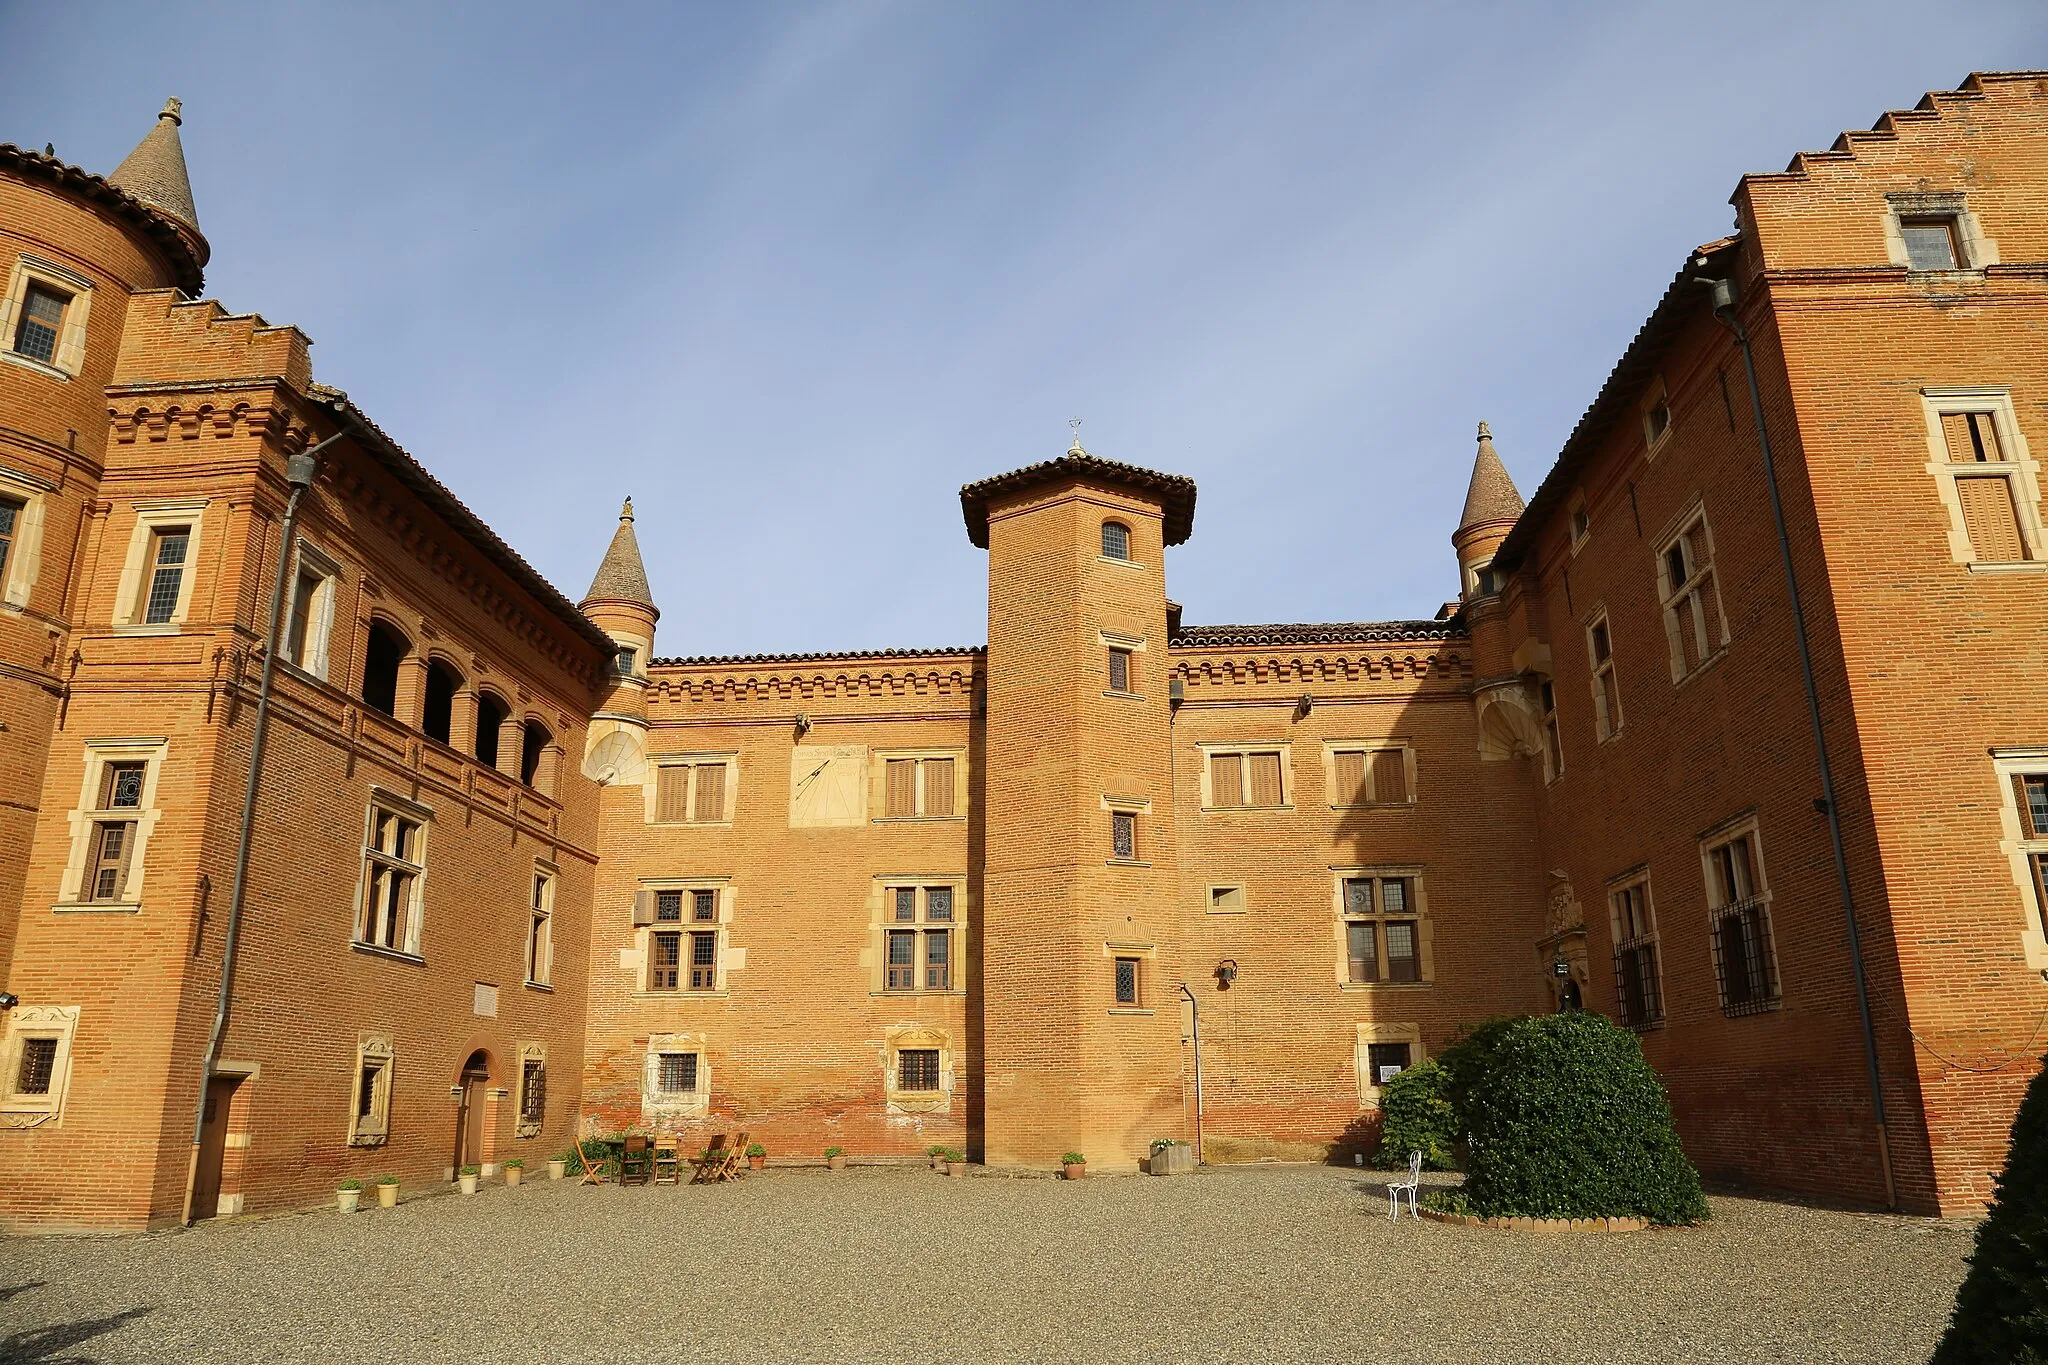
(1123, 834)
(1382, 930)
(1692, 598)
(38, 1068)
(703, 962)
(1119, 669)
(664, 961)
(112, 845)
(1387, 1060)
(533, 1091)
(10, 518)
(1638, 990)
(42, 320)
(1116, 540)
(1745, 965)
(917, 1068)
(166, 570)
(1252, 777)
(677, 1073)
(1127, 980)
(914, 788)
(394, 858)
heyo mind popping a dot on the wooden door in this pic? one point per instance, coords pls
(213, 1142)
(469, 1121)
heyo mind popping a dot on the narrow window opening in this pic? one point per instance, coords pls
(382, 654)
(490, 719)
(1116, 540)
(437, 715)
(167, 549)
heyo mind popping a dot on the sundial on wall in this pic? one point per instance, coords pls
(827, 785)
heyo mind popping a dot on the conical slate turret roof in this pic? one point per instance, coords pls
(1492, 495)
(155, 171)
(622, 574)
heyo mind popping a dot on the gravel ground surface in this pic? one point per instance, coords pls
(1248, 1264)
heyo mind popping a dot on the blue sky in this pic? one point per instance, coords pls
(790, 275)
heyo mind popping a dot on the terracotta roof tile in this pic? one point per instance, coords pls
(1176, 491)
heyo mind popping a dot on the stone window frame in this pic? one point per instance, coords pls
(1211, 749)
(1744, 826)
(1479, 580)
(1607, 727)
(151, 752)
(658, 1106)
(1672, 597)
(1211, 905)
(374, 1054)
(1425, 931)
(2021, 471)
(1137, 808)
(1553, 731)
(726, 958)
(25, 1022)
(1655, 396)
(1636, 880)
(1129, 523)
(882, 918)
(902, 1038)
(1146, 954)
(1369, 746)
(1975, 249)
(878, 784)
(1369, 1088)
(1134, 647)
(693, 761)
(2020, 849)
(25, 546)
(392, 803)
(541, 922)
(310, 559)
(130, 598)
(69, 358)
(522, 1125)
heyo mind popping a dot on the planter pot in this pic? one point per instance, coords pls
(349, 1199)
(469, 1183)
(837, 1163)
(956, 1168)
(939, 1164)
(755, 1163)
(387, 1196)
(1172, 1161)
(1075, 1171)
(513, 1175)
(557, 1169)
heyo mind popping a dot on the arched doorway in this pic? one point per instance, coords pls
(469, 1110)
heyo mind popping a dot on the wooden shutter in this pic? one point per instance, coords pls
(671, 791)
(902, 792)
(1955, 429)
(1350, 779)
(710, 793)
(643, 907)
(1390, 776)
(938, 786)
(1265, 779)
(1226, 779)
(1993, 522)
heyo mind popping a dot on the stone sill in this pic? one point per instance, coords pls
(1384, 985)
(1124, 862)
(1126, 1009)
(39, 366)
(133, 628)
(2008, 566)
(394, 954)
(97, 908)
(539, 986)
(679, 995)
(915, 819)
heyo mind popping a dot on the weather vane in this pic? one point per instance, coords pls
(1075, 423)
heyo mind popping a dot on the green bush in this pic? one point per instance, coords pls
(1073, 1159)
(756, 1149)
(2002, 1308)
(1567, 1120)
(351, 1184)
(1416, 1116)
(1466, 1058)
(831, 1152)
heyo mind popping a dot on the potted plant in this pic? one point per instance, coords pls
(1171, 1156)
(470, 1176)
(351, 1194)
(956, 1162)
(835, 1158)
(757, 1156)
(1073, 1165)
(514, 1169)
(387, 1192)
(558, 1165)
(937, 1153)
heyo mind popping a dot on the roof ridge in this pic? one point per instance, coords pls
(951, 651)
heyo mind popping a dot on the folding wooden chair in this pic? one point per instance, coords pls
(710, 1162)
(592, 1175)
(727, 1163)
(667, 1162)
(636, 1162)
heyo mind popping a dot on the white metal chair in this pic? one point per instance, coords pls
(1412, 1186)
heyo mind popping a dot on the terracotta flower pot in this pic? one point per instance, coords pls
(557, 1169)
(837, 1163)
(513, 1174)
(349, 1199)
(956, 1168)
(755, 1163)
(1075, 1171)
(469, 1183)
(939, 1164)
(387, 1196)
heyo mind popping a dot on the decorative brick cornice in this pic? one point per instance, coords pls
(1321, 666)
(891, 673)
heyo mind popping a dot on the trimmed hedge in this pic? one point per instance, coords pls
(2001, 1310)
(1567, 1120)
(1416, 1116)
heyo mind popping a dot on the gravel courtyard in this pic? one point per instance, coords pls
(1248, 1264)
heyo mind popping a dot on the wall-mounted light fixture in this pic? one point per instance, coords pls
(1226, 972)
(1304, 706)
(803, 725)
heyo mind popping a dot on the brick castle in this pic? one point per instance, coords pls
(514, 877)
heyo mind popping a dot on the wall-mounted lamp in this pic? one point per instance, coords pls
(1304, 706)
(1226, 972)
(803, 725)
(8, 1000)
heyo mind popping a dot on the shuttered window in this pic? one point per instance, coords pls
(691, 793)
(1987, 485)
(1991, 519)
(1256, 778)
(1377, 777)
(1351, 788)
(1265, 779)
(1226, 779)
(914, 787)
(671, 794)
(709, 807)
(1390, 777)
(938, 786)
(902, 787)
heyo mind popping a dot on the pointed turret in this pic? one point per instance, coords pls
(1492, 504)
(620, 605)
(622, 576)
(155, 173)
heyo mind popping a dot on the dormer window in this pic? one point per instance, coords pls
(1932, 242)
(1116, 540)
